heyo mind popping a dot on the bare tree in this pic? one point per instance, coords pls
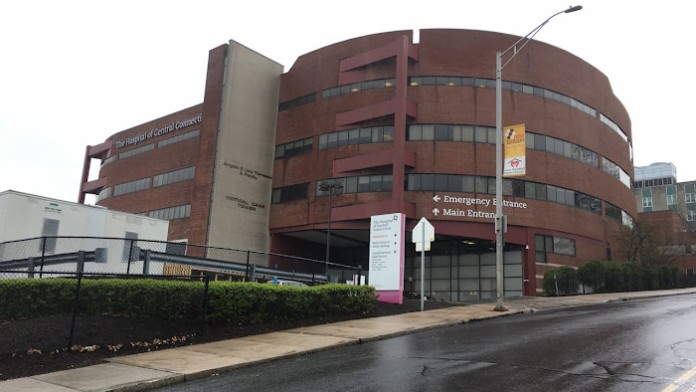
(646, 244)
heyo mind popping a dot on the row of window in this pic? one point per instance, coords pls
(136, 151)
(171, 213)
(292, 149)
(654, 182)
(151, 146)
(671, 195)
(476, 82)
(144, 183)
(481, 134)
(671, 200)
(354, 136)
(516, 188)
(451, 132)
(132, 186)
(454, 183)
(355, 184)
(174, 176)
(179, 138)
(359, 86)
(512, 86)
(544, 244)
(293, 103)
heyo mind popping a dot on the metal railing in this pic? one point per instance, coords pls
(147, 257)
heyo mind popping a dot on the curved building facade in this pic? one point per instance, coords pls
(380, 124)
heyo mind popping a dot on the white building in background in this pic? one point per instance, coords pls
(26, 219)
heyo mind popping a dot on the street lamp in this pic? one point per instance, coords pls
(500, 223)
(328, 187)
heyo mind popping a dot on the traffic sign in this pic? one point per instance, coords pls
(423, 232)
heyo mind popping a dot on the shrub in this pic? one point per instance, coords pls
(612, 276)
(565, 278)
(228, 302)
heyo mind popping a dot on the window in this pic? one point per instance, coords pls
(612, 211)
(564, 246)
(690, 197)
(104, 193)
(671, 200)
(545, 244)
(542, 245)
(290, 193)
(690, 216)
(647, 202)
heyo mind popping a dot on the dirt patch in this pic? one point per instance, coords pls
(37, 346)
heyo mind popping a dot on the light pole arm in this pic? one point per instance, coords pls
(529, 37)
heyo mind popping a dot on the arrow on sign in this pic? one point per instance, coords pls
(436, 212)
(436, 198)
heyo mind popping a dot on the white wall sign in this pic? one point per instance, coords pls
(387, 251)
(447, 205)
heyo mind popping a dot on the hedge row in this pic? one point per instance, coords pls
(228, 302)
(611, 276)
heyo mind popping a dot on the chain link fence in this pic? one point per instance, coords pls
(80, 310)
(39, 256)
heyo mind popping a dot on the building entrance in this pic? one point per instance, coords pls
(462, 272)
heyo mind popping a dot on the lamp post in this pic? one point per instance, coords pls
(328, 187)
(500, 223)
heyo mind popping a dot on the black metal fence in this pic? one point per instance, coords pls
(81, 260)
(48, 319)
(37, 256)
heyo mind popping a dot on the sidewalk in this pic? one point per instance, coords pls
(150, 370)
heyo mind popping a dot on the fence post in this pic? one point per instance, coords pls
(146, 263)
(30, 268)
(43, 255)
(205, 306)
(130, 250)
(75, 309)
(80, 261)
(359, 274)
(252, 278)
(246, 271)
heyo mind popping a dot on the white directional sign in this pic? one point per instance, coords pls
(422, 235)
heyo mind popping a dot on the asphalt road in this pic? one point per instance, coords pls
(639, 345)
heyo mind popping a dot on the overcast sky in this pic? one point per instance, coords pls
(72, 73)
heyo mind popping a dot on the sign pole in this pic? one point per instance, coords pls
(422, 268)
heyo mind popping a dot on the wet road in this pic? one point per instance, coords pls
(640, 345)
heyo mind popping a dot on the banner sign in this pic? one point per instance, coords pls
(515, 162)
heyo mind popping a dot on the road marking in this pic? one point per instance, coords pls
(684, 377)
